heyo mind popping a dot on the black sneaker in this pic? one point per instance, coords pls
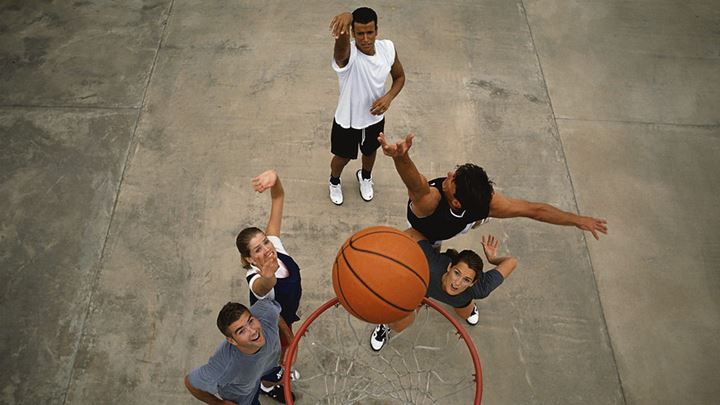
(379, 337)
(277, 393)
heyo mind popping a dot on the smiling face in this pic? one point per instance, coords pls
(458, 278)
(260, 249)
(246, 334)
(365, 35)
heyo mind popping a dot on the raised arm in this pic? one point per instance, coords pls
(424, 198)
(205, 396)
(504, 264)
(269, 179)
(340, 30)
(381, 105)
(503, 207)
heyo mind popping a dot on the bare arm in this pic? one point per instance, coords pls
(205, 396)
(504, 264)
(502, 207)
(340, 29)
(424, 198)
(381, 105)
(269, 179)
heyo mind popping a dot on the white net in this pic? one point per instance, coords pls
(428, 363)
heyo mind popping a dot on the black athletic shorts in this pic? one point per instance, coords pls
(344, 142)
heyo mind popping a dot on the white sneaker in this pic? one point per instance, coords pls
(336, 193)
(379, 337)
(474, 317)
(366, 186)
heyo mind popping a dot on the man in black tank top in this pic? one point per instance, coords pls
(444, 207)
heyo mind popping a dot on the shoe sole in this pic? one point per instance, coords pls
(377, 350)
(357, 176)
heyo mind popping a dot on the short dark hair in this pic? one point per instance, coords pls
(469, 257)
(231, 312)
(473, 188)
(364, 15)
(243, 240)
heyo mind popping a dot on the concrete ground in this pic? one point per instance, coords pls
(130, 131)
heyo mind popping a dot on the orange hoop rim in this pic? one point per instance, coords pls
(292, 350)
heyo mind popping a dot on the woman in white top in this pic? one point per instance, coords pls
(271, 272)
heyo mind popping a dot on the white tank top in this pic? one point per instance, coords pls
(362, 81)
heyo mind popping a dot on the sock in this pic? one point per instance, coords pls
(365, 174)
(334, 180)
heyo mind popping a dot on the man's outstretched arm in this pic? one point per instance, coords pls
(340, 30)
(424, 198)
(503, 207)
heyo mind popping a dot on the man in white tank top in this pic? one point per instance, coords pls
(362, 66)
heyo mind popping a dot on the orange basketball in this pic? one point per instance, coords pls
(380, 275)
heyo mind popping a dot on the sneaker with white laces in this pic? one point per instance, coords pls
(336, 195)
(379, 337)
(474, 317)
(366, 186)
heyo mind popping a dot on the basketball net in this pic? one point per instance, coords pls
(427, 363)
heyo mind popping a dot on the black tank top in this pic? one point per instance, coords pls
(443, 224)
(288, 290)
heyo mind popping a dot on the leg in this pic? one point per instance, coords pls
(364, 177)
(401, 325)
(368, 146)
(270, 385)
(470, 313)
(343, 146)
(368, 161)
(465, 311)
(337, 164)
(286, 337)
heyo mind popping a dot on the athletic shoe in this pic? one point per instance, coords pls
(474, 317)
(294, 374)
(278, 375)
(336, 193)
(366, 186)
(276, 393)
(379, 337)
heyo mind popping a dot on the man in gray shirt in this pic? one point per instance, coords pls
(249, 354)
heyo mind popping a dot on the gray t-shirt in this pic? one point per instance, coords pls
(438, 263)
(234, 375)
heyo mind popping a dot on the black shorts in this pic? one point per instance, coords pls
(344, 142)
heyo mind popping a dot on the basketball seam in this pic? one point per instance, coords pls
(367, 286)
(388, 257)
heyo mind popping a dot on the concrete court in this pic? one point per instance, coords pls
(130, 131)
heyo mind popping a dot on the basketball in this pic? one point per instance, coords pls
(380, 275)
